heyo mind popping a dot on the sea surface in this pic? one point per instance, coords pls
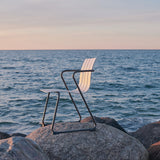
(125, 86)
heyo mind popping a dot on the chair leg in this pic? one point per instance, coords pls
(88, 110)
(66, 131)
(75, 107)
(45, 108)
(84, 101)
(55, 111)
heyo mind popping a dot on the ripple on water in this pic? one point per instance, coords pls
(7, 88)
(8, 68)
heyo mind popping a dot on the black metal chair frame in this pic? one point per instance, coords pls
(57, 102)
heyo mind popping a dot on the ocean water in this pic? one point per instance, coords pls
(125, 86)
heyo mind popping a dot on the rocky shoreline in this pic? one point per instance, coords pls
(110, 141)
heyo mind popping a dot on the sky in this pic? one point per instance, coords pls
(79, 24)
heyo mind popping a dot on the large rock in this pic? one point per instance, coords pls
(19, 148)
(154, 151)
(106, 143)
(105, 120)
(148, 134)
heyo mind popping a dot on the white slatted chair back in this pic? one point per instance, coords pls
(85, 77)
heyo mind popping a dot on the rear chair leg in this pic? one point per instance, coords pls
(88, 111)
(75, 107)
(55, 111)
(45, 108)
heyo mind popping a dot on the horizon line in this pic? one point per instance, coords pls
(71, 49)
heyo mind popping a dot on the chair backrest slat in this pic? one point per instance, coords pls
(85, 77)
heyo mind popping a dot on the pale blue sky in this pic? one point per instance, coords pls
(78, 24)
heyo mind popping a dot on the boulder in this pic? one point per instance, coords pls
(148, 134)
(4, 135)
(154, 151)
(106, 142)
(105, 120)
(18, 148)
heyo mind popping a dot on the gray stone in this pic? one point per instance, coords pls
(148, 134)
(154, 151)
(19, 148)
(106, 143)
(105, 120)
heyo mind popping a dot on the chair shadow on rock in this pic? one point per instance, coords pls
(82, 87)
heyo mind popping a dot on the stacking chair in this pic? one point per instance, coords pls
(82, 87)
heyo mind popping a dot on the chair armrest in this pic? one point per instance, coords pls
(76, 71)
(68, 70)
(73, 76)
